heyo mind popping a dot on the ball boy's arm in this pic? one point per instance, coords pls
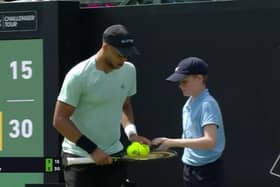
(208, 141)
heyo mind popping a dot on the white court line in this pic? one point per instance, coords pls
(273, 166)
(19, 100)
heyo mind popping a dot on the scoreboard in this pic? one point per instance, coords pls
(35, 46)
(21, 109)
(21, 113)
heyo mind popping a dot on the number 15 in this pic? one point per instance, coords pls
(26, 70)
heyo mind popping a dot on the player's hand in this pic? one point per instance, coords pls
(101, 158)
(140, 139)
(160, 143)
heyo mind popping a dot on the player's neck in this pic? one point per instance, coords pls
(100, 62)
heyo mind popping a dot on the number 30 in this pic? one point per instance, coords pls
(24, 128)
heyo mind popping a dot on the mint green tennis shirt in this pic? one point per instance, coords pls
(98, 98)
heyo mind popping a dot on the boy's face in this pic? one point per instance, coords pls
(192, 85)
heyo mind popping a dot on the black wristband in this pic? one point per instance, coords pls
(85, 143)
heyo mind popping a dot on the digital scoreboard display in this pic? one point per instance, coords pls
(21, 65)
(22, 158)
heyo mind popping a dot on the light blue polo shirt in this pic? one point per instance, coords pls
(197, 113)
(98, 98)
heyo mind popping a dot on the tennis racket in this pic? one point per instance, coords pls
(153, 155)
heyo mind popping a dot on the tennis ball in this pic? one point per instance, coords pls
(134, 149)
(145, 150)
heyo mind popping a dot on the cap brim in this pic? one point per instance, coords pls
(128, 51)
(176, 77)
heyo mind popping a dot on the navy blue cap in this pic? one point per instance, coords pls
(189, 66)
(118, 37)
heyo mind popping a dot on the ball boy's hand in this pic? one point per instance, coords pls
(161, 143)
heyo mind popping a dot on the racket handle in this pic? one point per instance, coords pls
(78, 160)
(83, 160)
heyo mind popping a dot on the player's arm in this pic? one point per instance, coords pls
(128, 123)
(208, 141)
(127, 115)
(62, 122)
(67, 128)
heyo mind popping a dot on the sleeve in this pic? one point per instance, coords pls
(210, 114)
(71, 89)
(132, 77)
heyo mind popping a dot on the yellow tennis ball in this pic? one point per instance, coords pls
(145, 150)
(135, 143)
(133, 149)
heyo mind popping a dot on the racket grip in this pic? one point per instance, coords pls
(78, 160)
(83, 160)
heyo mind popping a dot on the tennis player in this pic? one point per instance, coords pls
(93, 101)
(203, 136)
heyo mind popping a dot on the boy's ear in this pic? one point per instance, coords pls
(199, 76)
